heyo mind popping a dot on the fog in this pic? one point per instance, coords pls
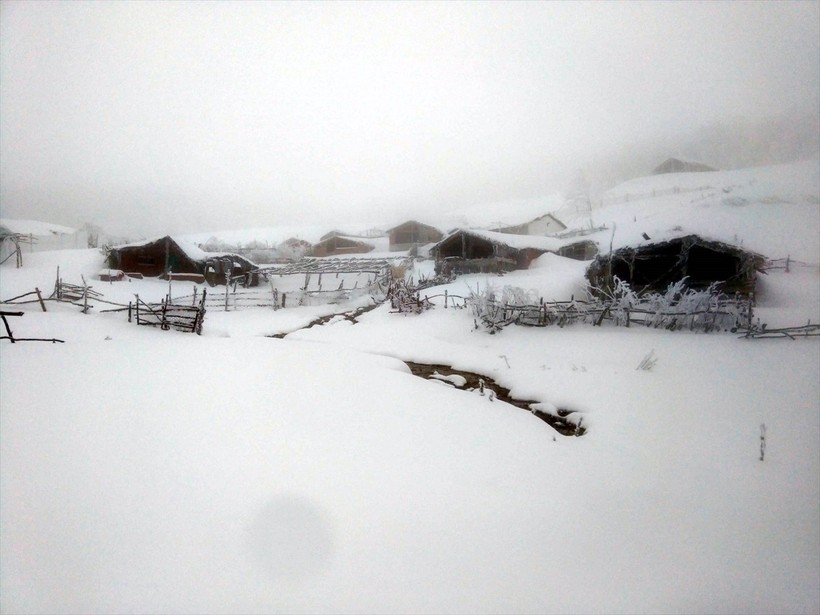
(167, 117)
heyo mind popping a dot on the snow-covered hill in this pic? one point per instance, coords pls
(774, 211)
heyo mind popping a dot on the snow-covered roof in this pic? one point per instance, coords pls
(412, 221)
(35, 227)
(518, 242)
(192, 251)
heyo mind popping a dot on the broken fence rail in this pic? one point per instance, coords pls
(10, 335)
(763, 332)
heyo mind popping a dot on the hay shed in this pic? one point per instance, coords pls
(653, 267)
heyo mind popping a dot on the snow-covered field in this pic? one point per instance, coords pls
(152, 471)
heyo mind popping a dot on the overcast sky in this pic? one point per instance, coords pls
(167, 117)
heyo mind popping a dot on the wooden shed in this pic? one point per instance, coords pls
(411, 233)
(335, 245)
(167, 256)
(653, 267)
(154, 258)
(475, 251)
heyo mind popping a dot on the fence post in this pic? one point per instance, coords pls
(40, 297)
(164, 322)
(129, 311)
(137, 305)
(8, 329)
(445, 299)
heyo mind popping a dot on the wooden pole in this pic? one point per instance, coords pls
(40, 297)
(129, 311)
(8, 329)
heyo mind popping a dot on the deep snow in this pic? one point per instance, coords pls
(152, 471)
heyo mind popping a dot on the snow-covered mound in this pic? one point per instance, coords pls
(35, 227)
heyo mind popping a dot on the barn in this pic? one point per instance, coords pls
(653, 267)
(411, 233)
(182, 260)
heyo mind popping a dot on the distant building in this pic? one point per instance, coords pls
(541, 226)
(475, 251)
(411, 233)
(335, 244)
(675, 165)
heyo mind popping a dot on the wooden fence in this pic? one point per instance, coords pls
(166, 315)
(721, 313)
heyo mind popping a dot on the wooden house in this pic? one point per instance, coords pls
(541, 226)
(411, 234)
(167, 257)
(334, 245)
(475, 251)
(653, 267)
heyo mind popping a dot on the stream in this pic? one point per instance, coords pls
(566, 422)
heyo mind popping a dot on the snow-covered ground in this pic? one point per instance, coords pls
(152, 471)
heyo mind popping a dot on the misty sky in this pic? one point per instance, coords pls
(167, 117)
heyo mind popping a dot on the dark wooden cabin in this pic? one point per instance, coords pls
(653, 267)
(337, 244)
(154, 258)
(469, 251)
(165, 256)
